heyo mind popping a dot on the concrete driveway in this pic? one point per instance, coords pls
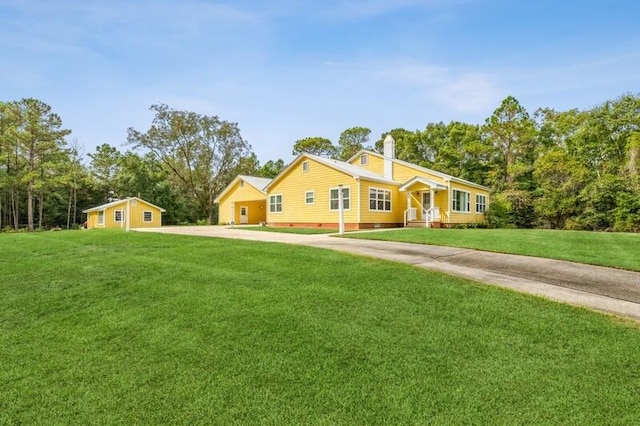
(603, 289)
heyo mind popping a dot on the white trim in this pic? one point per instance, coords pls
(484, 203)
(348, 188)
(448, 201)
(246, 209)
(444, 176)
(351, 170)
(124, 200)
(253, 181)
(468, 204)
(384, 200)
(143, 216)
(275, 204)
(359, 204)
(423, 180)
(122, 216)
(313, 198)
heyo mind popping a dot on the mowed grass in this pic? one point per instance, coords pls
(614, 249)
(100, 327)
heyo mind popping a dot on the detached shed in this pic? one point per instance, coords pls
(127, 213)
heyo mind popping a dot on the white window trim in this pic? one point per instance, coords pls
(453, 198)
(305, 166)
(338, 209)
(281, 204)
(364, 159)
(122, 216)
(313, 198)
(98, 219)
(484, 203)
(143, 216)
(376, 209)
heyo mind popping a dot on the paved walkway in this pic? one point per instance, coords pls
(602, 289)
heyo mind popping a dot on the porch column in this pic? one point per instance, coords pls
(448, 182)
(432, 202)
(233, 213)
(407, 215)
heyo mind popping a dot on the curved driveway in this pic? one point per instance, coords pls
(604, 289)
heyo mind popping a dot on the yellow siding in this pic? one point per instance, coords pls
(398, 204)
(92, 220)
(137, 209)
(374, 164)
(472, 216)
(242, 195)
(256, 210)
(319, 179)
(402, 173)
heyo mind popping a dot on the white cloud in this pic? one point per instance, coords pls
(459, 91)
(469, 92)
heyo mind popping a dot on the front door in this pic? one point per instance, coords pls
(244, 215)
(426, 203)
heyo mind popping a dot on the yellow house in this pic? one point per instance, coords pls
(127, 213)
(378, 191)
(243, 201)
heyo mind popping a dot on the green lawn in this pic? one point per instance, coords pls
(618, 250)
(307, 231)
(100, 327)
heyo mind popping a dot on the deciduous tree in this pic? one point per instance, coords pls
(201, 151)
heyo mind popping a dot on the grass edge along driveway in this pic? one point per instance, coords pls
(109, 327)
(616, 250)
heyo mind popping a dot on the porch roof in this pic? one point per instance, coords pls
(421, 180)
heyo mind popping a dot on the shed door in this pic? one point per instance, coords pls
(244, 215)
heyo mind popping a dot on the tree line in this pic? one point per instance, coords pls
(575, 169)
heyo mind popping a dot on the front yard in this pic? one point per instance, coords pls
(104, 327)
(617, 250)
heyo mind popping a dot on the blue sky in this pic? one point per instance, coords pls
(284, 70)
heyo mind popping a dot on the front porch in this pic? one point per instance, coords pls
(250, 212)
(427, 203)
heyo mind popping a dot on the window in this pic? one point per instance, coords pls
(305, 166)
(241, 184)
(481, 203)
(147, 216)
(101, 218)
(275, 203)
(334, 199)
(364, 159)
(379, 199)
(460, 201)
(119, 216)
(309, 197)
